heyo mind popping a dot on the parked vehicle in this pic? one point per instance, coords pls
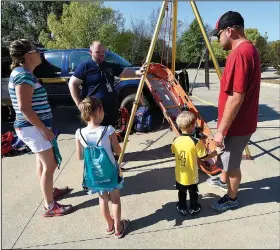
(58, 66)
(55, 71)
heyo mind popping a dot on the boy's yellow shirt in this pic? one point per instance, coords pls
(187, 150)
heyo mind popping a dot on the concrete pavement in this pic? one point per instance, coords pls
(149, 196)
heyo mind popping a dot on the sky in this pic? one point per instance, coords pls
(263, 15)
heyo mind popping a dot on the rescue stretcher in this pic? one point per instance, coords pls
(172, 100)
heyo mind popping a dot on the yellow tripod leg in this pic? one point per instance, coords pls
(247, 155)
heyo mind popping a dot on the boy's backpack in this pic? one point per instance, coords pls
(6, 143)
(143, 120)
(100, 174)
(122, 123)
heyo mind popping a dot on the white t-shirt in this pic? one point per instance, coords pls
(93, 135)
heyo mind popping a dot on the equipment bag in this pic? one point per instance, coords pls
(122, 123)
(143, 120)
(100, 174)
(6, 143)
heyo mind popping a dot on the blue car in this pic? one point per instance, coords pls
(58, 66)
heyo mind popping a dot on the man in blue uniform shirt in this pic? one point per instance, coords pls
(97, 79)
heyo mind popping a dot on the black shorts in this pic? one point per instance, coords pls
(184, 188)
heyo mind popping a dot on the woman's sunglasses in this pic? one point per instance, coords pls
(33, 51)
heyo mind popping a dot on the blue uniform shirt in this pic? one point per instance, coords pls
(98, 80)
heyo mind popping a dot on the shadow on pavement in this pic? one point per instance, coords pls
(210, 113)
(144, 182)
(261, 191)
(147, 155)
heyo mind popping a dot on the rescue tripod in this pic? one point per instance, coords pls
(177, 94)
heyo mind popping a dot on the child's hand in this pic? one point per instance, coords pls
(220, 150)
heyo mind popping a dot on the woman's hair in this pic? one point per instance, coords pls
(185, 120)
(18, 49)
(89, 106)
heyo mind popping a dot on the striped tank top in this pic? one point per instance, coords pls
(40, 103)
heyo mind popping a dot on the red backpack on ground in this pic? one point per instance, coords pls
(122, 123)
(6, 143)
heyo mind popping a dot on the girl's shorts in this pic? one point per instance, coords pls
(33, 138)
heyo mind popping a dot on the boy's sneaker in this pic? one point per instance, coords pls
(225, 203)
(182, 211)
(195, 211)
(216, 182)
(57, 210)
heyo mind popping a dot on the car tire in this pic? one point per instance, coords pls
(5, 113)
(128, 101)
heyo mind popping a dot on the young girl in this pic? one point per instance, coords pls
(92, 113)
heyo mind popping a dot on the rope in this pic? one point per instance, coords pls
(201, 58)
(169, 38)
(164, 33)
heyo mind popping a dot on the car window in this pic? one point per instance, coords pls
(6, 61)
(51, 65)
(114, 58)
(55, 59)
(76, 58)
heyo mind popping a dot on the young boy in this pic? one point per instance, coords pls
(187, 150)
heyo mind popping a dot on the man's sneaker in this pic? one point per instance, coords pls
(216, 182)
(195, 211)
(225, 203)
(57, 210)
(182, 211)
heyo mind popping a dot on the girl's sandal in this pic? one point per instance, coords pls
(125, 226)
(109, 232)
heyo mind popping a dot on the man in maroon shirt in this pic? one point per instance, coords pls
(238, 104)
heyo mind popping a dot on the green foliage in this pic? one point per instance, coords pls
(123, 44)
(26, 19)
(218, 51)
(263, 48)
(274, 56)
(191, 44)
(252, 34)
(80, 24)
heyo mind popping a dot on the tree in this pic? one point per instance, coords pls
(252, 34)
(80, 24)
(27, 19)
(218, 51)
(274, 55)
(124, 44)
(262, 46)
(191, 44)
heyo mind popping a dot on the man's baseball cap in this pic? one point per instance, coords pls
(229, 19)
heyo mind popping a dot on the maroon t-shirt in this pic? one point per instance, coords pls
(242, 74)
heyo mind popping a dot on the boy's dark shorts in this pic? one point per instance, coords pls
(184, 188)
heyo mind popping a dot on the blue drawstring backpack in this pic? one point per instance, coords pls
(100, 174)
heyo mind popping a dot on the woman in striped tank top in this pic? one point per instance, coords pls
(33, 121)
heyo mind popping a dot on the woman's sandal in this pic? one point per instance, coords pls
(125, 226)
